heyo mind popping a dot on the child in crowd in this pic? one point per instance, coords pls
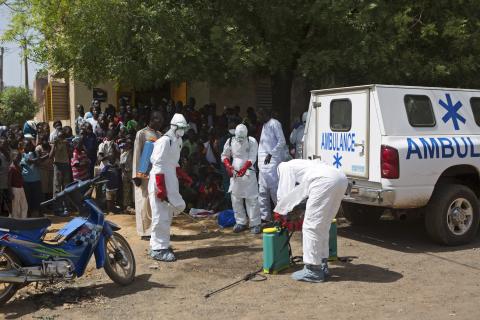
(191, 142)
(62, 172)
(108, 155)
(80, 162)
(60, 153)
(31, 178)
(210, 195)
(45, 165)
(15, 182)
(126, 163)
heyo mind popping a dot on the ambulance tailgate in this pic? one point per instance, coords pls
(342, 130)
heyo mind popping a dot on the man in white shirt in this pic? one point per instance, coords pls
(94, 119)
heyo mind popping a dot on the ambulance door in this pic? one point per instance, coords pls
(342, 135)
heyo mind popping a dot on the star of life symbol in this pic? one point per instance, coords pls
(452, 111)
(337, 160)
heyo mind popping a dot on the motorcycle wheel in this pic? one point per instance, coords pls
(7, 289)
(119, 260)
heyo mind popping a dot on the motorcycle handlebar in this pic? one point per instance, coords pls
(72, 188)
(45, 203)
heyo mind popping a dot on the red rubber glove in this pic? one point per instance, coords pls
(228, 167)
(244, 169)
(161, 187)
(182, 175)
(280, 218)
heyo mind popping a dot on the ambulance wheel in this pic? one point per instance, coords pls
(452, 215)
(360, 215)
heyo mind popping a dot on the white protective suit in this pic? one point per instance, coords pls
(164, 159)
(241, 149)
(272, 141)
(324, 186)
(296, 137)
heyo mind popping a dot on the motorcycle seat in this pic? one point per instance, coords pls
(24, 224)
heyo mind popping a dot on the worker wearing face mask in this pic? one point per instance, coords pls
(239, 156)
(324, 186)
(163, 187)
(296, 137)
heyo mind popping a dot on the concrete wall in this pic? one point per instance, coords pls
(81, 94)
(200, 91)
(241, 94)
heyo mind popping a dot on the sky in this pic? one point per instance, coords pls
(13, 74)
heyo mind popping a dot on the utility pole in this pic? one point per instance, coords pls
(2, 50)
(25, 62)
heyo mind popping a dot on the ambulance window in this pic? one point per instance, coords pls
(341, 115)
(419, 111)
(475, 103)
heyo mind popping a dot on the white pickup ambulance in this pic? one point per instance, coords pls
(403, 148)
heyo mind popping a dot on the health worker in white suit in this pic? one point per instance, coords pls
(238, 156)
(296, 137)
(272, 150)
(324, 186)
(163, 188)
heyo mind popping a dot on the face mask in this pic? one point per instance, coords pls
(240, 139)
(180, 132)
(232, 132)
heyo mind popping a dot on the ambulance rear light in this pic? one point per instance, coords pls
(390, 164)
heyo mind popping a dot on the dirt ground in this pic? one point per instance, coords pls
(395, 273)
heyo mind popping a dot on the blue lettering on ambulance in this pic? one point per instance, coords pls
(432, 149)
(472, 149)
(459, 152)
(413, 149)
(446, 145)
(442, 147)
(338, 141)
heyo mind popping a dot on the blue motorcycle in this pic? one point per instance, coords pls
(25, 255)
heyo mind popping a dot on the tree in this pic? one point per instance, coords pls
(330, 43)
(17, 105)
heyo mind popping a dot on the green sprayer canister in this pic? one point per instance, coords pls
(332, 241)
(275, 250)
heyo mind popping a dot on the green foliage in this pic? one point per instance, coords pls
(16, 105)
(331, 43)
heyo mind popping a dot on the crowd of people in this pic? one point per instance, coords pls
(33, 157)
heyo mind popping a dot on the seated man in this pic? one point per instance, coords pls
(324, 186)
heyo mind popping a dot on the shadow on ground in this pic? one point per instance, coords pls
(407, 237)
(346, 271)
(215, 251)
(362, 273)
(199, 236)
(77, 296)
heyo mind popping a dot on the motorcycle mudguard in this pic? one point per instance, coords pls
(100, 252)
(112, 226)
(107, 232)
